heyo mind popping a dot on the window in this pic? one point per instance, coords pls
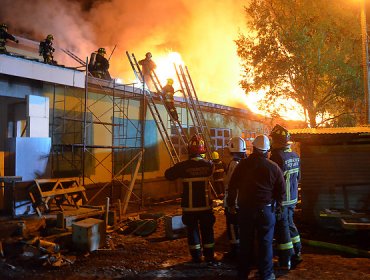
(220, 137)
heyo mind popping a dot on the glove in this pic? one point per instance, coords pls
(279, 213)
(232, 210)
(17, 41)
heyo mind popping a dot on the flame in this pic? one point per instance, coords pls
(165, 67)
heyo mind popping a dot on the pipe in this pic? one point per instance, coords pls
(336, 247)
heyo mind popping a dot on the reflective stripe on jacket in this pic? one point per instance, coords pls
(289, 162)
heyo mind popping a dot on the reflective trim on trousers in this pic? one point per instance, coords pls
(211, 245)
(194, 247)
(296, 239)
(285, 246)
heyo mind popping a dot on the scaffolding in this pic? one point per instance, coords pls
(103, 109)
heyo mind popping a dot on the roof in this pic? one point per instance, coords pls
(359, 130)
(335, 135)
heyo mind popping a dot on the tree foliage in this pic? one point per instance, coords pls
(308, 51)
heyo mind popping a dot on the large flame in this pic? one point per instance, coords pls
(202, 31)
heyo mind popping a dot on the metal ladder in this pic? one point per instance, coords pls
(154, 110)
(195, 111)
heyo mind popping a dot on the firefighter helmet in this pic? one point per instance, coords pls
(101, 51)
(215, 155)
(170, 81)
(148, 55)
(237, 145)
(262, 143)
(280, 136)
(196, 145)
(50, 37)
(4, 26)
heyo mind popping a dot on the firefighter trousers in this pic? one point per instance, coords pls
(200, 234)
(284, 245)
(256, 223)
(232, 229)
(294, 234)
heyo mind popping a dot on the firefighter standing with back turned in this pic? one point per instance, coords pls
(197, 212)
(287, 236)
(4, 36)
(237, 149)
(259, 186)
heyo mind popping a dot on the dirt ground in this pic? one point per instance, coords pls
(156, 257)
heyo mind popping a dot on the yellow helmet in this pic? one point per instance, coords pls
(50, 37)
(170, 81)
(215, 155)
(101, 51)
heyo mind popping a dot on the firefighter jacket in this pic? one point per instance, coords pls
(195, 175)
(257, 181)
(289, 162)
(230, 169)
(168, 92)
(148, 66)
(4, 36)
(46, 48)
(218, 173)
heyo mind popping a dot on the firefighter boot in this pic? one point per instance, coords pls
(296, 259)
(284, 263)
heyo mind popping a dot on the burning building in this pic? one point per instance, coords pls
(58, 122)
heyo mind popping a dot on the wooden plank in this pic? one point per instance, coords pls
(62, 191)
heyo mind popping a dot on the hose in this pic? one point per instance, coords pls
(337, 247)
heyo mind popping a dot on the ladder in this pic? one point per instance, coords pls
(153, 108)
(193, 104)
(158, 87)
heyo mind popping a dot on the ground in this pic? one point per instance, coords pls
(156, 257)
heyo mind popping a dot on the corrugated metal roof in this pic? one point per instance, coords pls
(361, 130)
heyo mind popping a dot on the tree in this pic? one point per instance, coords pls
(308, 51)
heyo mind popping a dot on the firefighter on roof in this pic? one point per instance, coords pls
(4, 36)
(46, 49)
(169, 102)
(197, 213)
(287, 236)
(99, 65)
(147, 66)
(237, 149)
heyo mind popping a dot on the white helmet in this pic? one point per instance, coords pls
(237, 145)
(262, 143)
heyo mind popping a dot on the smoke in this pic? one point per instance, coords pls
(202, 31)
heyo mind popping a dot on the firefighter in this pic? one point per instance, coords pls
(258, 185)
(167, 93)
(99, 65)
(147, 66)
(46, 49)
(287, 236)
(218, 175)
(237, 149)
(197, 213)
(4, 36)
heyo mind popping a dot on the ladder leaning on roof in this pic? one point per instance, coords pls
(154, 110)
(192, 102)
